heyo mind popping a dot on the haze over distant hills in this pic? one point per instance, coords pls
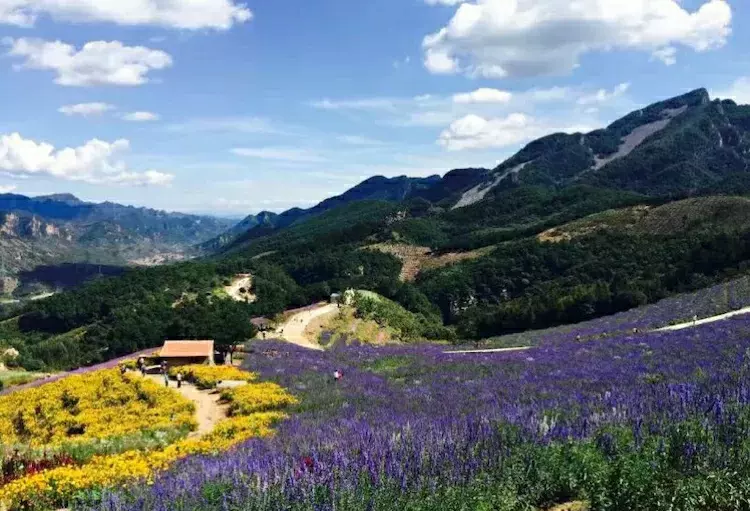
(62, 228)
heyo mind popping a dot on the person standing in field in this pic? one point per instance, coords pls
(179, 379)
(695, 319)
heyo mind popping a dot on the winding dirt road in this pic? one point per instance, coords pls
(294, 329)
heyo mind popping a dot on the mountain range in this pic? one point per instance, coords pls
(571, 227)
(61, 228)
(686, 145)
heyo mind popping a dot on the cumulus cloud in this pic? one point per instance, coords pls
(483, 95)
(96, 63)
(140, 117)
(603, 95)
(191, 15)
(94, 162)
(475, 132)
(86, 109)
(499, 38)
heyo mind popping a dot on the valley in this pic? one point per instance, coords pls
(520, 337)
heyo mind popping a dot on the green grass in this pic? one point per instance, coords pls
(389, 365)
(82, 452)
(13, 378)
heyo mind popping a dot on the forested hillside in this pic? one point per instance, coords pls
(571, 232)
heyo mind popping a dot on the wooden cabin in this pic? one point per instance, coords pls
(180, 353)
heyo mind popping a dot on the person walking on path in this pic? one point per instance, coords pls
(166, 373)
(179, 380)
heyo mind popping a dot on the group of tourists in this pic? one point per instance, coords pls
(164, 371)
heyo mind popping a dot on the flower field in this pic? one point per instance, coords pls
(656, 421)
(104, 405)
(713, 301)
(93, 406)
(207, 377)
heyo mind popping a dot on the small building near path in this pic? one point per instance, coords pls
(180, 353)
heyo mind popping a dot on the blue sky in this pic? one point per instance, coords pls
(231, 108)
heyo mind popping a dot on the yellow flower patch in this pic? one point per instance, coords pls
(253, 418)
(207, 377)
(97, 405)
(257, 397)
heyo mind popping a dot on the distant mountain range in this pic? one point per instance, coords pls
(375, 188)
(687, 145)
(61, 228)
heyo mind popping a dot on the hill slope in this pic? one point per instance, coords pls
(684, 145)
(377, 188)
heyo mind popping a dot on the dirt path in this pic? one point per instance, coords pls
(493, 350)
(294, 328)
(705, 321)
(208, 410)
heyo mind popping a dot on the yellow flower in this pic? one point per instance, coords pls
(207, 377)
(257, 397)
(93, 406)
(107, 403)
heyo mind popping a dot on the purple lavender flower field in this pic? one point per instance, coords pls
(720, 299)
(652, 421)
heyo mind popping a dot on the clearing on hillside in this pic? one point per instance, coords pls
(690, 214)
(240, 288)
(416, 259)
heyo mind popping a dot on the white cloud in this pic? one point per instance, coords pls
(140, 117)
(440, 62)
(96, 63)
(191, 15)
(739, 91)
(668, 55)
(475, 132)
(603, 96)
(94, 162)
(86, 109)
(498, 38)
(7, 188)
(288, 154)
(483, 95)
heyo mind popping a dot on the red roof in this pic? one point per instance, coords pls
(179, 349)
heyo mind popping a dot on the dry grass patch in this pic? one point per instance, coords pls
(416, 259)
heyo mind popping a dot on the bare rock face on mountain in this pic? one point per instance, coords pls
(680, 146)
